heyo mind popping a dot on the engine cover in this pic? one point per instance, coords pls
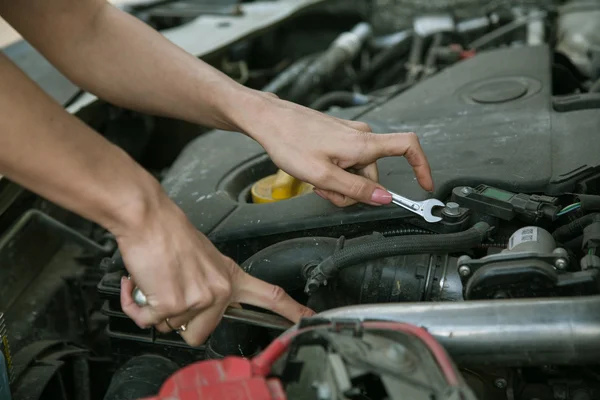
(489, 119)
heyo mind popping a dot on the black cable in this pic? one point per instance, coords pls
(574, 228)
(289, 75)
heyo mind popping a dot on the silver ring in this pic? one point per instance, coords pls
(182, 328)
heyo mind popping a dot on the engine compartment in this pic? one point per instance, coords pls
(504, 99)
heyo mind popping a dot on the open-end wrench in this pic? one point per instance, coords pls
(422, 208)
(249, 317)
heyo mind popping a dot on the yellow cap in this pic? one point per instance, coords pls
(280, 186)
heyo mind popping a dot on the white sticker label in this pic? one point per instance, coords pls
(523, 235)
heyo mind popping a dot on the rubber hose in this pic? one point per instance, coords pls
(393, 54)
(321, 70)
(574, 228)
(402, 245)
(289, 75)
(343, 99)
(281, 264)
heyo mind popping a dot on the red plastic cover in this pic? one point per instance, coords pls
(228, 379)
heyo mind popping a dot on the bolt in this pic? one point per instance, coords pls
(452, 209)
(464, 270)
(466, 190)
(500, 383)
(560, 263)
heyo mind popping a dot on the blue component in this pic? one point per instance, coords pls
(4, 383)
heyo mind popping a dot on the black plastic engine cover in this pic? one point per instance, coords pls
(487, 120)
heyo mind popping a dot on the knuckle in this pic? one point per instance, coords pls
(358, 189)
(412, 137)
(363, 126)
(203, 299)
(322, 174)
(221, 288)
(172, 304)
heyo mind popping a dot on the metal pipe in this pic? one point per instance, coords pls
(562, 331)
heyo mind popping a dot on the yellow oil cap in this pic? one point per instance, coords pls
(280, 186)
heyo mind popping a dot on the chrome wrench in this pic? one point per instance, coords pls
(422, 208)
(249, 317)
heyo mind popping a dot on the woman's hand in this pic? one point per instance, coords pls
(187, 280)
(337, 156)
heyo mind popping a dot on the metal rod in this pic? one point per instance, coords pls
(562, 331)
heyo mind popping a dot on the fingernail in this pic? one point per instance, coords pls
(381, 196)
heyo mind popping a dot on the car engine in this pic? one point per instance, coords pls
(500, 299)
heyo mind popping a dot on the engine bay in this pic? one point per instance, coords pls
(498, 300)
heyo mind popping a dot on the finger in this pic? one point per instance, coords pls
(199, 328)
(320, 193)
(253, 291)
(354, 186)
(370, 172)
(407, 145)
(337, 199)
(176, 322)
(144, 317)
(358, 125)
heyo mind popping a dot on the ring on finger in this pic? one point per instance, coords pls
(182, 328)
(168, 324)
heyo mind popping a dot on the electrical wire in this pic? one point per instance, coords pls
(569, 208)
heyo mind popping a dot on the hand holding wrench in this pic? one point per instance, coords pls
(422, 208)
(249, 317)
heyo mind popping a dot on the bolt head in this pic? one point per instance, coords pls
(560, 263)
(464, 270)
(500, 383)
(452, 209)
(466, 190)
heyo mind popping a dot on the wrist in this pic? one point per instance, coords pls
(247, 110)
(133, 203)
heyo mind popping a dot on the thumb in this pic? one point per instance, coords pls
(408, 146)
(356, 187)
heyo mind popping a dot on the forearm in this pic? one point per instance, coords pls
(54, 154)
(120, 59)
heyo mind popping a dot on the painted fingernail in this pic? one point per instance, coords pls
(380, 196)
